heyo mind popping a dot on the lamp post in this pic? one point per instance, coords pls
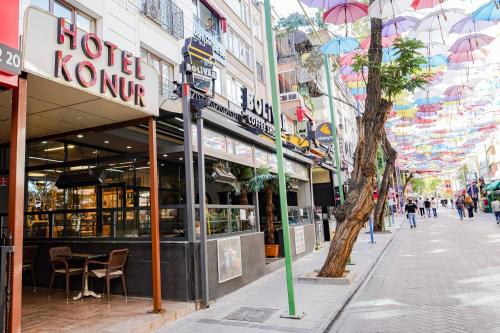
(279, 156)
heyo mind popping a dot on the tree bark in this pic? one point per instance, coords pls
(269, 214)
(243, 196)
(354, 212)
(390, 156)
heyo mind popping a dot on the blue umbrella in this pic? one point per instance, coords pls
(490, 11)
(339, 45)
(436, 61)
(428, 101)
(390, 54)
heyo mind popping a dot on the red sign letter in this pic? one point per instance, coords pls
(98, 46)
(126, 62)
(106, 82)
(139, 95)
(61, 66)
(123, 86)
(79, 75)
(138, 71)
(62, 30)
(111, 53)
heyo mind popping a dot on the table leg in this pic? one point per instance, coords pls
(86, 292)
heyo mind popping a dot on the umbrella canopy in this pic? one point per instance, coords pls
(390, 54)
(469, 25)
(398, 25)
(435, 61)
(422, 4)
(490, 11)
(346, 12)
(322, 4)
(340, 45)
(349, 58)
(386, 41)
(387, 8)
(467, 56)
(437, 24)
(471, 43)
(457, 90)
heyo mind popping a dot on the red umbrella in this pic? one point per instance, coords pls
(347, 12)
(348, 58)
(421, 4)
(386, 41)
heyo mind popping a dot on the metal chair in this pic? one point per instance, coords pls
(29, 256)
(60, 265)
(113, 268)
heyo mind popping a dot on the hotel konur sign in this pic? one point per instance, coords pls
(60, 51)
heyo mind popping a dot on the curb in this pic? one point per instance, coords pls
(334, 315)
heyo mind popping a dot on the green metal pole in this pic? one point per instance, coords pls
(334, 127)
(279, 155)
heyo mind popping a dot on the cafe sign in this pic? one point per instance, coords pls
(60, 51)
(198, 65)
(324, 133)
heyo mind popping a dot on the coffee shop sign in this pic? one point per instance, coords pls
(127, 86)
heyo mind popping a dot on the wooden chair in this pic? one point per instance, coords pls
(113, 268)
(29, 256)
(60, 265)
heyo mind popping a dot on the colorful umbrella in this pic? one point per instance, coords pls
(490, 11)
(322, 4)
(390, 54)
(436, 61)
(422, 4)
(340, 45)
(386, 41)
(348, 59)
(469, 25)
(346, 12)
(386, 8)
(470, 43)
(467, 56)
(398, 25)
(437, 24)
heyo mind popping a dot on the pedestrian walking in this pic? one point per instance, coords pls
(434, 207)
(460, 206)
(421, 206)
(495, 207)
(473, 192)
(451, 202)
(411, 210)
(427, 205)
(469, 205)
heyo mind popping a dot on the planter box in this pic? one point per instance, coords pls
(272, 250)
(312, 277)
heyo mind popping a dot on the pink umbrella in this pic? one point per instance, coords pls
(471, 43)
(323, 4)
(422, 4)
(457, 90)
(430, 107)
(386, 41)
(467, 56)
(347, 12)
(353, 77)
(348, 58)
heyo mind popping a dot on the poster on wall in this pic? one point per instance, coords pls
(229, 258)
(300, 242)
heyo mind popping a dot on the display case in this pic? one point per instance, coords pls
(297, 215)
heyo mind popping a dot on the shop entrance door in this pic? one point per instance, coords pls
(113, 205)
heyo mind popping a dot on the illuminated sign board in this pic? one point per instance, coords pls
(324, 133)
(198, 64)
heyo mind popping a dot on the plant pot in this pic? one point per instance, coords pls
(272, 250)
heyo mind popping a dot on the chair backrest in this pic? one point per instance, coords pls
(29, 254)
(117, 259)
(59, 251)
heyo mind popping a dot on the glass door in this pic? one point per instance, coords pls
(112, 204)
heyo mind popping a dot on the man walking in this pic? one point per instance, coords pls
(411, 210)
(473, 192)
(495, 207)
(427, 205)
(434, 207)
(421, 206)
(460, 205)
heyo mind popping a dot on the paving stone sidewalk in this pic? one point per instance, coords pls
(443, 276)
(319, 302)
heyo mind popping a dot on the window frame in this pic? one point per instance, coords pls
(74, 13)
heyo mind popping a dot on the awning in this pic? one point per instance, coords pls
(222, 18)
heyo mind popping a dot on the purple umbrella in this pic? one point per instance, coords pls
(471, 43)
(398, 25)
(324, 4)
(469, 25)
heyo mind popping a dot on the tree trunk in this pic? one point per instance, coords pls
(269, 215)
(390, 156)
(354, 212)
(243, 196)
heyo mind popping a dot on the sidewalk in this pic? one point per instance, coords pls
(320, 303)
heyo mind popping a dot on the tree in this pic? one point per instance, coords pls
(244, 175)
(292, 22)
(418, 185)
(389, 79)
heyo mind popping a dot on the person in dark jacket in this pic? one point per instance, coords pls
(411, 210)
(427, 205)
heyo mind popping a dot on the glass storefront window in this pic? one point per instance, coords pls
(240, 149)
(215, 141)
(45, 152)
(172, 222)
(261, 159)
(82, 198)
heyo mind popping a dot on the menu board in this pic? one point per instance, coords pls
(229, 258)
(300, 242)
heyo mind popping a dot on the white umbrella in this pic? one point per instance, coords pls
(432, 49)
(388, 8)
(437, 24)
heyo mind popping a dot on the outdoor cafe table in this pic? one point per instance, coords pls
(86, 257)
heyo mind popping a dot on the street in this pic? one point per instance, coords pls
(443, 276)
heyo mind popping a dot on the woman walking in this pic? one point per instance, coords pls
(434, 207)
(469, 205)
(459, 205)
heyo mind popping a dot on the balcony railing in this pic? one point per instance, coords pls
(166, 14)
(198, 22)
